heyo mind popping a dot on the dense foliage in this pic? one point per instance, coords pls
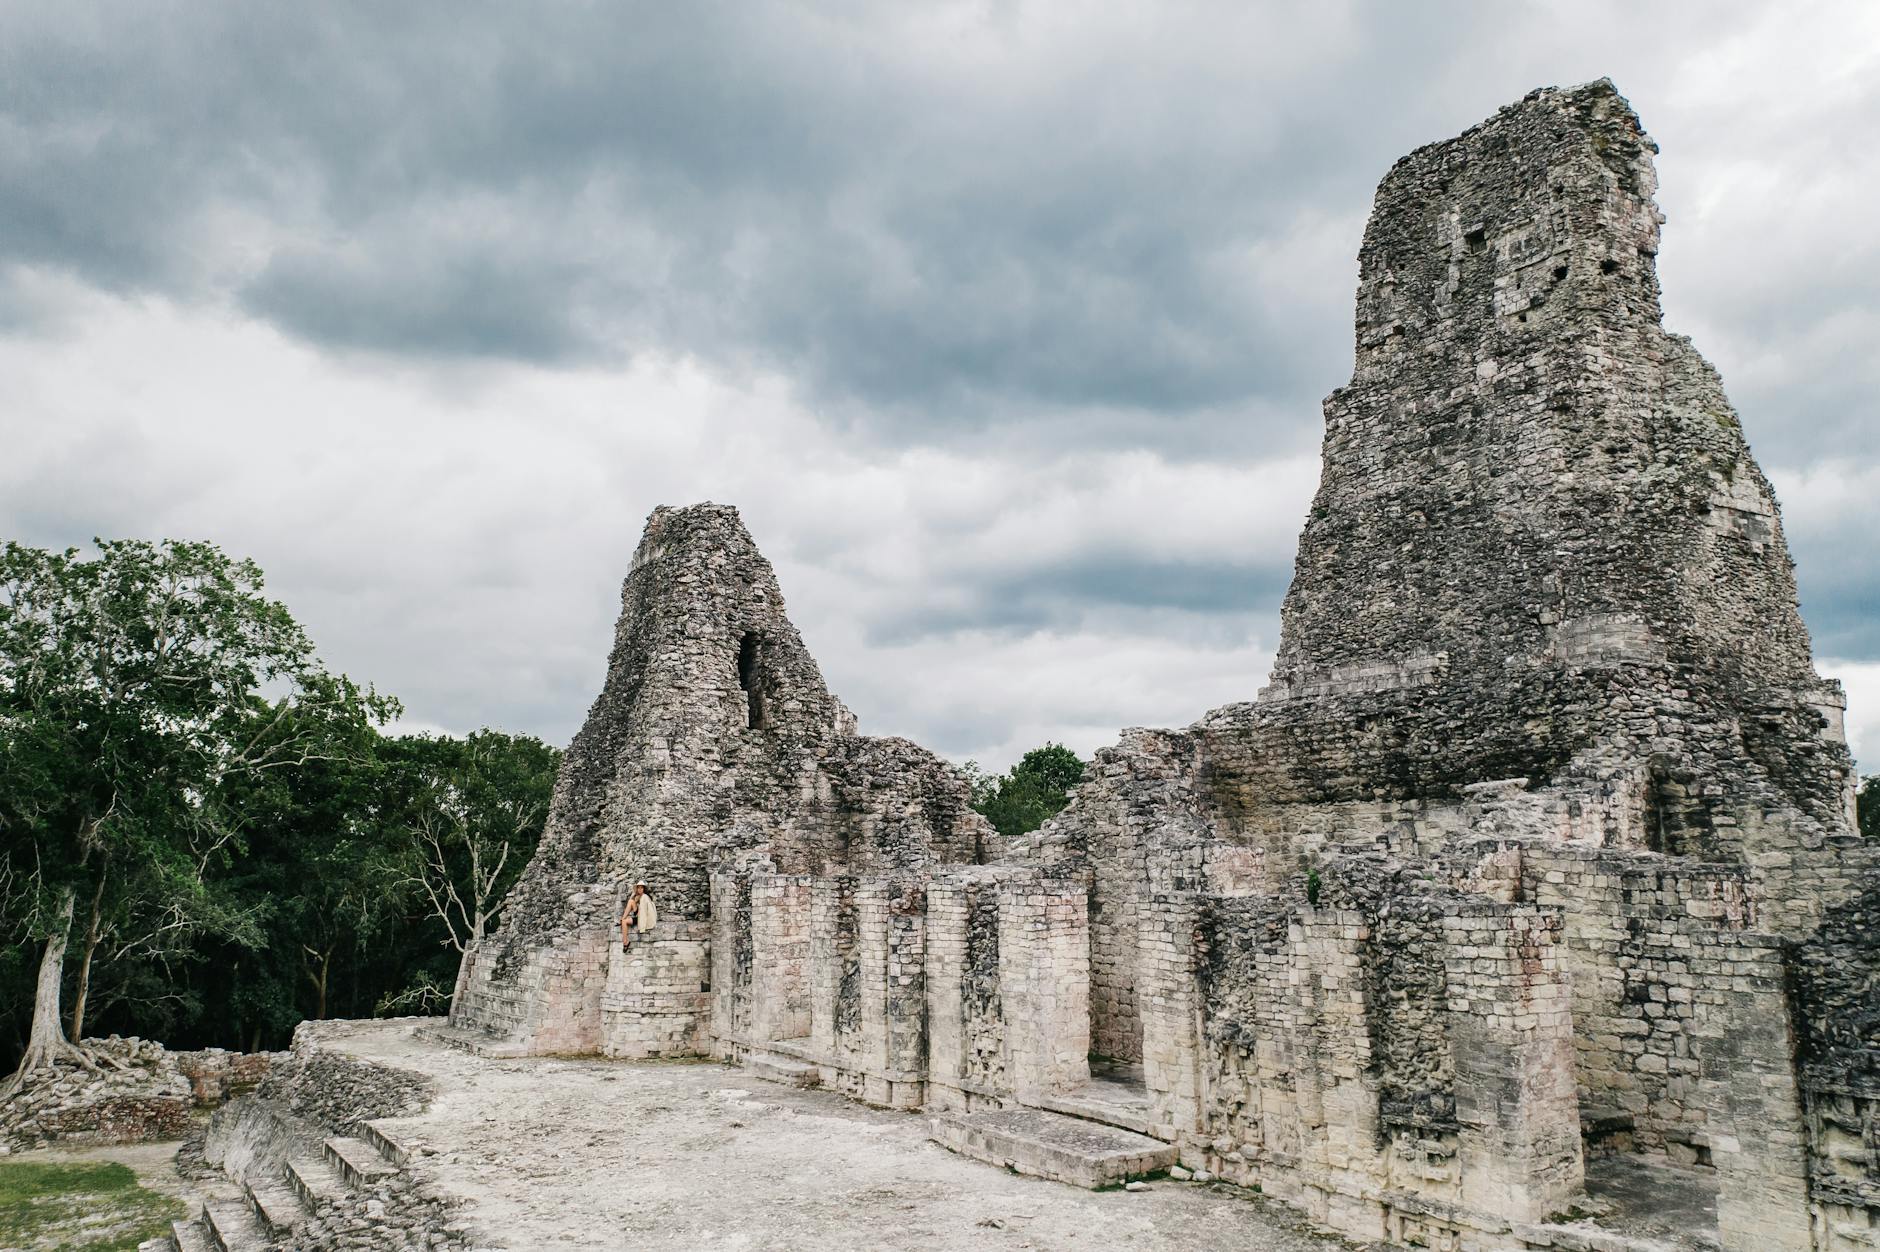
(208, 837)
(1030, 793)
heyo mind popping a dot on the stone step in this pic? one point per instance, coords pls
(1103, 1112)
(278, 1207)
(355, 1160)
(190, 1235)
(385, 1142)
(232, 1226)
(474, 1042)
(314, 1180)
(1051, 1145)
(773, 1067)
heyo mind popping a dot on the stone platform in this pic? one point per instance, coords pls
(1051, 1145)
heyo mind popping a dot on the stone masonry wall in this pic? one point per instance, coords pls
(1835, 981)
(713, 735)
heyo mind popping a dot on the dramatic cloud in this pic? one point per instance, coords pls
(1005, 324)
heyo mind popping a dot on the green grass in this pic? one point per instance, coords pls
(79, 1207)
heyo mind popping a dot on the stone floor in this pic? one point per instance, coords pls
(595, 1154)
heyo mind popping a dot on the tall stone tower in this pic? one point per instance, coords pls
(713, 734)
(1540, 548)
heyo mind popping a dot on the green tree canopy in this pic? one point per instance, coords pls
(141, 690)
(1030, 793)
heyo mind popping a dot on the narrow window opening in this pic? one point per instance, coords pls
(1560, 272)
(751, 681)
(1609, 266)
(1476, 239)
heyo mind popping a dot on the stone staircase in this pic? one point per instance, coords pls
(256, 1213)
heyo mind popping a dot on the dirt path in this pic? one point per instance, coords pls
(620, 1155)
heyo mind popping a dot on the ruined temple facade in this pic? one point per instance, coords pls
(1535, 859)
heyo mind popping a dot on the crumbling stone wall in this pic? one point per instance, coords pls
(1514, 862)
(141, 1093)
(713, 735)
(339, 1091)
(1138, 794)
(1544, 805)
(1836, 999)
(1484, 586)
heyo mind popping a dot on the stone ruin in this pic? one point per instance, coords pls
(1535, 859)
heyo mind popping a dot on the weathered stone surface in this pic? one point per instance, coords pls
(1049, 1145)
(141, 1093)
(713, 735)
(1514, 845)
(1537, 847)
(300, 1164)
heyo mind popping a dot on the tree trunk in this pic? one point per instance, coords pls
(319, 981)
(46, 1045)
(46, 1034)
(84, 963)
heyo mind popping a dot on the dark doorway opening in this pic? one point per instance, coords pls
(751, 680)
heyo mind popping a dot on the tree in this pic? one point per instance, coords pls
(474, 810)
(1029, 794)
(132, 708)
(1867, 807)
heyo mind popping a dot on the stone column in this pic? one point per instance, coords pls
(947, 916)
(832, 943)
(1044, 984)
(1511, 1035)
(904, 1051)
(1336, 1096)
(1171, 1008)
(780, 964)
(730, 994)
(1758, 1140)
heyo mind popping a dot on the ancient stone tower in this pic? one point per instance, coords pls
(1540, 548)
(1526, 893)
(713, 734)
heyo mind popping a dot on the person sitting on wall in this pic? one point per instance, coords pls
(640, 914)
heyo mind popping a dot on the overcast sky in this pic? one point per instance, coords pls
(1005, 325)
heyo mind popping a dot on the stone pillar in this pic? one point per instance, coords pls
(1337, 1099)
(947, 916)
(780, 961)
(890, 948)
(1511, 1035)
(1170, 1000)
(730, 977)
(831, 948)
(1758, 1140)
(904, 1068)
(1044, 984)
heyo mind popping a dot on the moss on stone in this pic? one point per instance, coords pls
(80, 1206)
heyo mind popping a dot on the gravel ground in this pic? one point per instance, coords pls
(616, 1155)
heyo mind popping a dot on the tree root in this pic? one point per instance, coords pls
(49, 1056)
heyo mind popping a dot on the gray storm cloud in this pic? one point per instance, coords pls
(1007, 324)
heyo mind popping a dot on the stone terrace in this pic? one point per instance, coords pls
(553, 1153)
